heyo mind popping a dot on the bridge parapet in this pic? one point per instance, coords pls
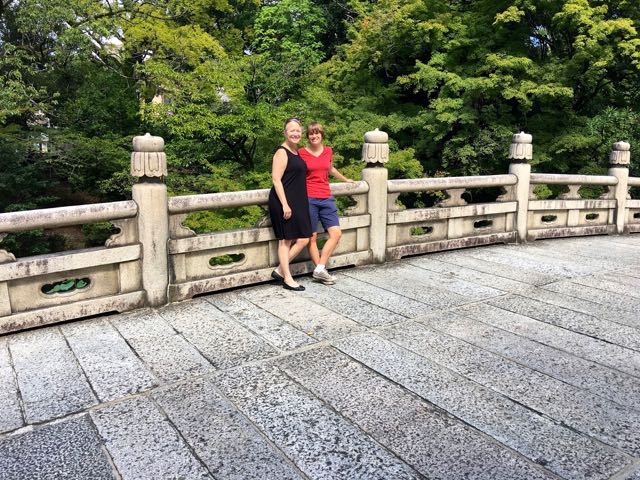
(155, 259)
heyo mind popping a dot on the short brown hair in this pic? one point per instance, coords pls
(315, 127)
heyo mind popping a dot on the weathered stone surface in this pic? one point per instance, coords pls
(607, 298)
(275, 331)
(598, 379)
(70, 449)
(143, 444)
(605, 420)
(311, 318)
(435, 444)
(582, 346)
(10, 413)
(453, 271)
(164, 351)
(221, 340)
(110, 365)
(390, 278)
(559, 449)
(381, 297)
(571, 320)
(610, 285)
(588, 307)
(349, 306)
(517, 258)
(468, 260)
(319, 441)
(49, 378)
(220, 435)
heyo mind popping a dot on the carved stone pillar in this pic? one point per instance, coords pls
(520, 152)
(375, 153)
(149, 164)
(619, 161)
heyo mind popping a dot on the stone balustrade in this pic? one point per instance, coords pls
(154, 259)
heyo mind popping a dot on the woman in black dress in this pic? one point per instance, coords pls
(288, 203)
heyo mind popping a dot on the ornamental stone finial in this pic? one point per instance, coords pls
(375, 150)
(148, 158)
(620, 155)
(521, 147)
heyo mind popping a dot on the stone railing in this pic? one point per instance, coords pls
(155, 259)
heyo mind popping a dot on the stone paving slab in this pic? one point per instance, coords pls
(390, 278)
(572, 320)
(323, 444)
(110, 365)
(516, 258)
(434, 443)
(608, 284)
(491, 267)
(69, 449)
(168, 354)
(10, 413)
(608, 299)
(593, 349)
(604, 420)
(275, 331)
(316, 321)
(538, 438)
(598, 379)
(223, 438)
(451, 270)
(588, 307)
(381, 297)
(349, 306)
(222, 341)
(143, 444)
(50, 380)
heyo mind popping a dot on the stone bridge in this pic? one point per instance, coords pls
(500, 362)
(518, 358)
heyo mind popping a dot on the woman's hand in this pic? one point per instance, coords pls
(287, 212)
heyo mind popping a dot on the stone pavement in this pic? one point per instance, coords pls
(503, 362)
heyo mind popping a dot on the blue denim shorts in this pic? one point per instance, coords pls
(323, 210)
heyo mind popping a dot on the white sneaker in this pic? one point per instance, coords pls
(324, 277)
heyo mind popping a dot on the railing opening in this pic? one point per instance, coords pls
(549, 218)
(421, 231)
(482, 224)
(226, 259)
(592, 216)
(65, 286)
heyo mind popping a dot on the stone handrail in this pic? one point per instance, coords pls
(194, 203)
(154, 259)
(445, 183)
(65, 216)
(564, 179)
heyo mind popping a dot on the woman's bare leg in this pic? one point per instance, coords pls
(330, 245)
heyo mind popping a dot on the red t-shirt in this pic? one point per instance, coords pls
(317, 172)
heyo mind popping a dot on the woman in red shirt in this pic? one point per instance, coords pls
(322, 205)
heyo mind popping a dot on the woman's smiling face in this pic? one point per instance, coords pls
(293, 132)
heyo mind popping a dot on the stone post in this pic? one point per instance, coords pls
(619, 161)
(376, 153)
(149, 164)
(520, 152)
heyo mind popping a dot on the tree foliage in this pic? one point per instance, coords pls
(450, 80)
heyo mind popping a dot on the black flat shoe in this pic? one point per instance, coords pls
(276, 276)
(299, 288)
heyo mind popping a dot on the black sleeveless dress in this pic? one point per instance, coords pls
(294, 181)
